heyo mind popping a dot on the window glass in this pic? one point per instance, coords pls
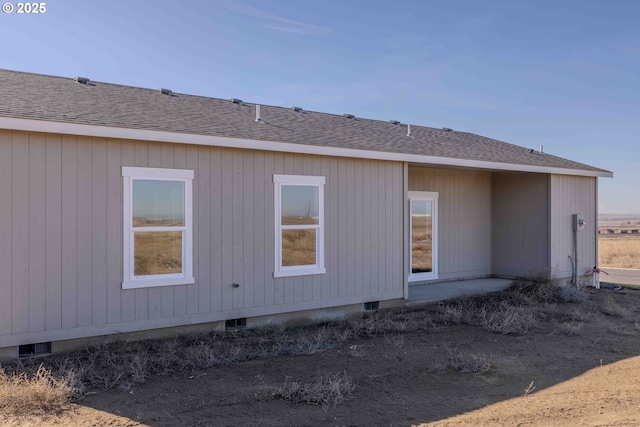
(298, 247)
(158, 252)
(421, 236)
(157, 227)
(158, 203)
(299, 204)
(299, 225)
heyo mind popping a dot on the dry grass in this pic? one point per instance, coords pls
(469, 362)
(327, 390)
(514, 311)
(40, 392)
(611, 308)
(619, 252)
(529, 389)
(569, 329)
(572, 294)
(509, 319)
(122, 365)
(389, 322)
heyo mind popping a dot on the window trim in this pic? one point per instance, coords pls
(433, 197)
(130, 281)
(301, 180)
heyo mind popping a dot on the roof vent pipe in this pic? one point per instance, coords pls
(258, 119)
(541, 149)
(409, 131)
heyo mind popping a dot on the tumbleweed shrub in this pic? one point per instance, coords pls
(383, 322)
(328, 390)
(513, 311)
(495, 313)
(39, 392)
(524, 291)
(572, 294)
(469, 362)
(509, 319)
(122, 365)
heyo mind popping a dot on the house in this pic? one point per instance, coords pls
(129, 210)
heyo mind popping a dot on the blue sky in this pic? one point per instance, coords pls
(564, 74)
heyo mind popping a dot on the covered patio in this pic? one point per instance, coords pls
(441, 291)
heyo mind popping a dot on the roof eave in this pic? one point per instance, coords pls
(31, 125)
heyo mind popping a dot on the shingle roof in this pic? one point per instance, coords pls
(61, 99)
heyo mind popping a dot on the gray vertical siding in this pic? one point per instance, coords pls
(114, 233)
(571, 195)
(127, 297)
(464, 219)
(520, 223)
(84, 220)
(36, 267)
(99, 232)
(69, 232)
(6, 252)
(61, 236)
(53, 232)
(19, 268)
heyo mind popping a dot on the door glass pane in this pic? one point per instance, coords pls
(299, 204)
(157, 252)
(421, 236)
(158, 203)
(298, 247)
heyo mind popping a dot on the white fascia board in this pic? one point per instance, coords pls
(218, 141)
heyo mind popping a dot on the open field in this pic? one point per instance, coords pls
(533, 355)
(619, 252)
(622, 248)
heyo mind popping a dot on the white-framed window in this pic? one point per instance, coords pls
(423, 231)
(157, 227)
(299, 225)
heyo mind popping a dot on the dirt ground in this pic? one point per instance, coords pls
(580, 365)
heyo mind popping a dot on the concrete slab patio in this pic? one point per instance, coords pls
(618, 276)
(434, 292)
